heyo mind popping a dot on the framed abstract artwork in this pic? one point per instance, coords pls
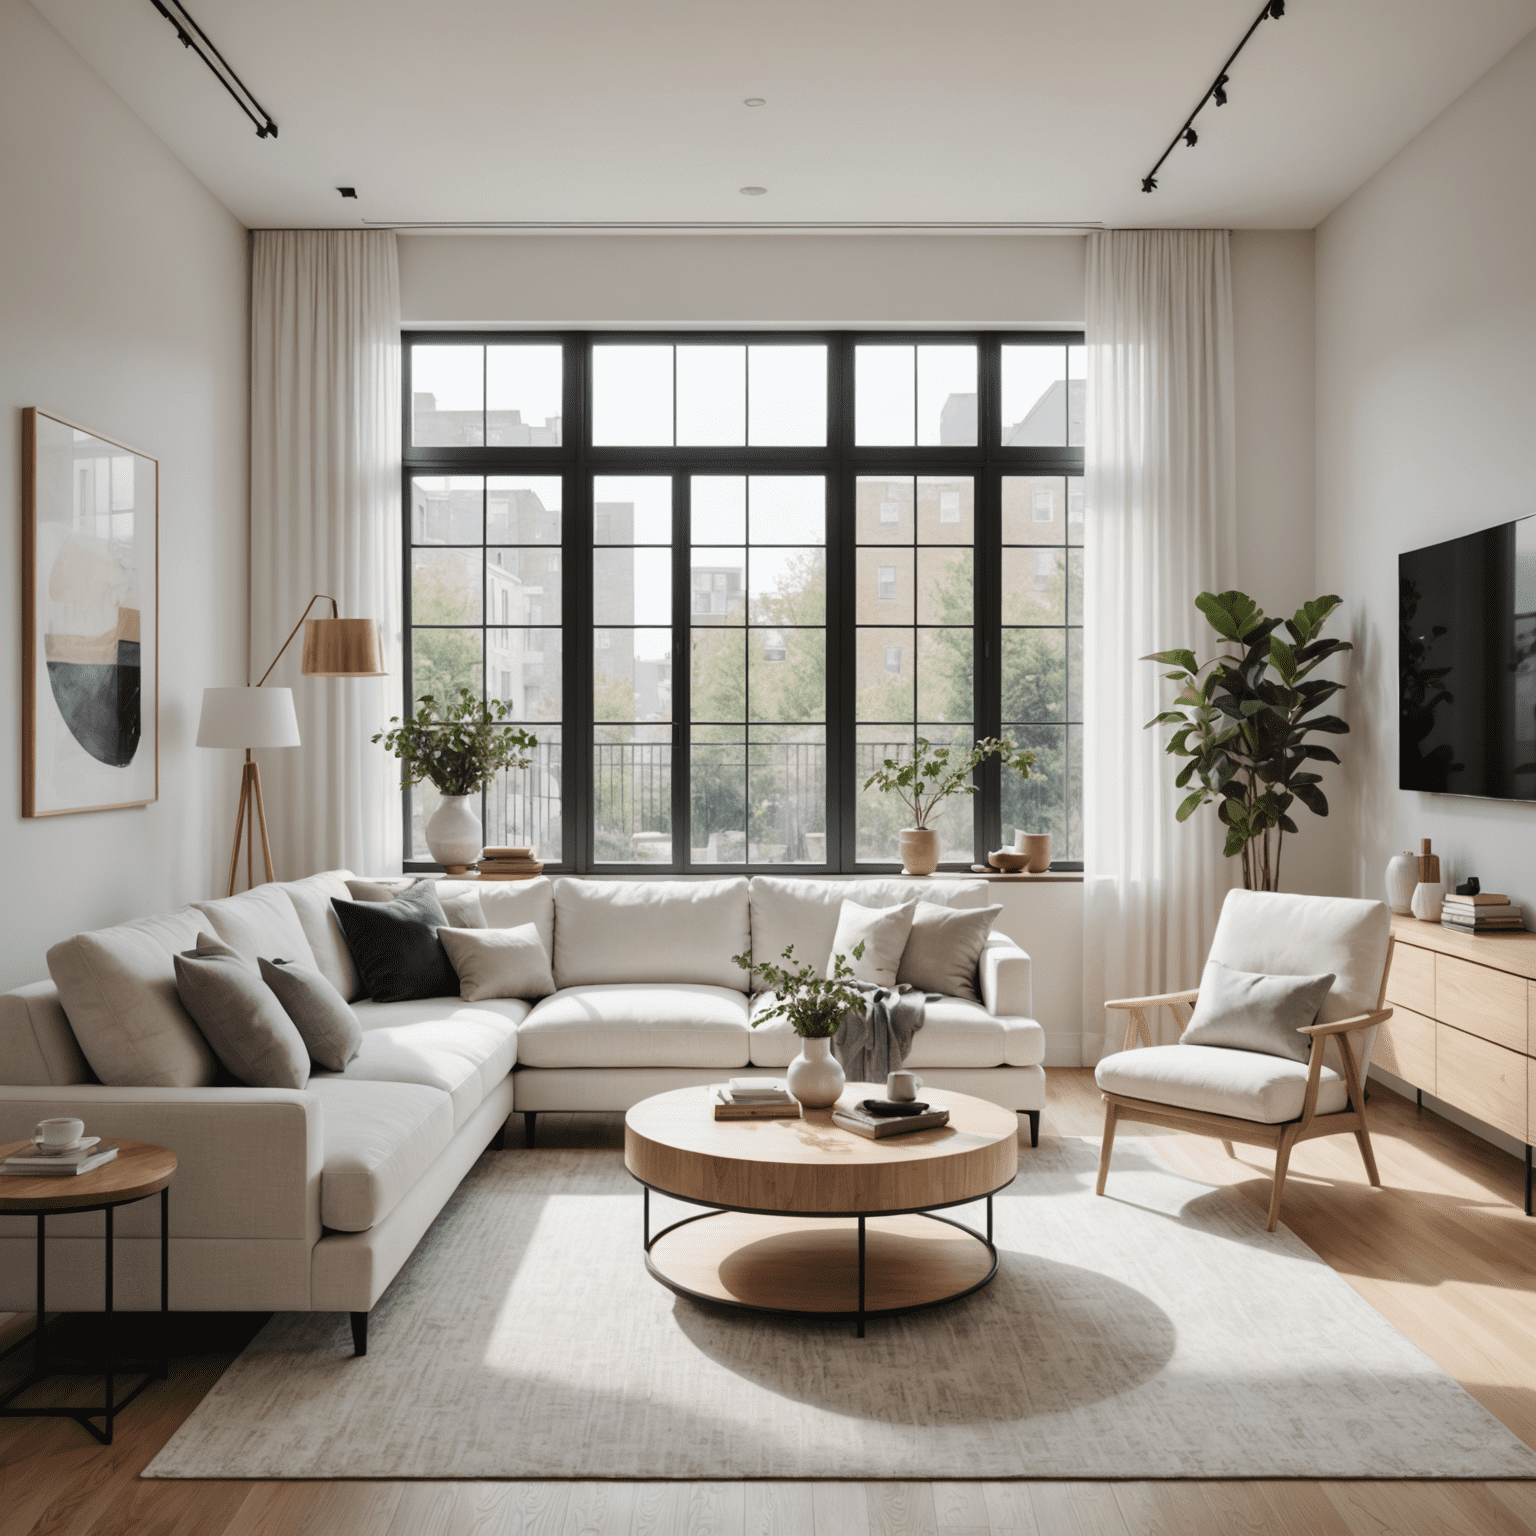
(90, 620)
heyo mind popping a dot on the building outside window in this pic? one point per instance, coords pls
(769, 593)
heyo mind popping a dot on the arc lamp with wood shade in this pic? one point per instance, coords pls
(259, 716)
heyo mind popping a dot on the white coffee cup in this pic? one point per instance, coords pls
(901, 1087)
(63, 1132)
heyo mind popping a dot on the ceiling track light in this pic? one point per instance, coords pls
(192, 36)
(1273, 10)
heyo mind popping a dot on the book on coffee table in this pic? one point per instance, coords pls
(728, 1107)
(876, 1126)
(36, 1163)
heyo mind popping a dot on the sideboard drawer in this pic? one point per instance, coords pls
(1405, 1046)
(1483, 1079)
(1481, 1001)
(1411, 978)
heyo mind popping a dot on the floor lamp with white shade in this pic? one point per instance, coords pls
(265, 717)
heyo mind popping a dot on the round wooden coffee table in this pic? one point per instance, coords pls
(807, 1218)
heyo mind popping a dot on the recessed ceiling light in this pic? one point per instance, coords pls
(755, 101)
(753, 191)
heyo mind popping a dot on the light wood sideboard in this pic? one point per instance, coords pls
(1463, 1026)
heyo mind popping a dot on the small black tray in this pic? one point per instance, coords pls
(892, 1109)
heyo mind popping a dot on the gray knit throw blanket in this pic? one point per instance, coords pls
(873, 1042)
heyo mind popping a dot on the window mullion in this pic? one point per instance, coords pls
(682, 597)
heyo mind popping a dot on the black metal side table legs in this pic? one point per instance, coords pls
(112, 1405)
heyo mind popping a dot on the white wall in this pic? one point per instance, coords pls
(1426, 412)
(742, 280)
(123, 307)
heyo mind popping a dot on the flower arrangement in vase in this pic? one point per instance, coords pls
(458, 750)
(814, 1004)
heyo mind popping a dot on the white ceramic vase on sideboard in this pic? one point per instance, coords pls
(1428, 897)
(1402, 876)
(453, 832)
(815, 1077)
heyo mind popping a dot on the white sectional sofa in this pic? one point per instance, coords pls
(312, 1199)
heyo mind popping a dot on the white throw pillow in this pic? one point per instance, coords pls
(882, 931)
(499, 962)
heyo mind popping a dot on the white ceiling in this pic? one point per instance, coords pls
(905, 112)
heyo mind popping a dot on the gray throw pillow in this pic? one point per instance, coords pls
(322, 1016)
(1249, 1012)
(944, 949)
(241, 1018)
(499, 962)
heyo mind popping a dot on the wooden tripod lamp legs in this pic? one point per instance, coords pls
(251, 816)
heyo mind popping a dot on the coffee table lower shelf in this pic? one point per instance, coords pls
(835, 1268)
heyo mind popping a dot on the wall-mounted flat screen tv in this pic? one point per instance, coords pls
(1467, 664)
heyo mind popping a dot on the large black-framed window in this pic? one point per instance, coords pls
(720, 575)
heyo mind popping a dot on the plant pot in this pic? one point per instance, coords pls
(453, 832)
(815, 1077)
(1402, 876)
(1036, 847)
(919, 850)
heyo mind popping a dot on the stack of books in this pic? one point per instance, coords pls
(509, 864)
(754, 1098)
(1483, 913)
(33, 1162)
(855, 1118)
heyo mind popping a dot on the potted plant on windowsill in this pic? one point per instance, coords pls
(458, 750)
(814, 1003)
(928, 779)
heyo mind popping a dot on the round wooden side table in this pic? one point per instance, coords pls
(139, 1170)
(808, 1218)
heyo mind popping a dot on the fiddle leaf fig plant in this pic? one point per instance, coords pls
(813, 1002)
(459, 747)
(1241, 720)
(933, 773)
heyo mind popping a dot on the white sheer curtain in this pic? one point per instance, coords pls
(325, 517)
(1159, 503)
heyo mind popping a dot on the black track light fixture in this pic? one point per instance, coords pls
(1273, 11)
(192, 36)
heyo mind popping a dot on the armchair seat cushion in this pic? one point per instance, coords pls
(1216, 1080)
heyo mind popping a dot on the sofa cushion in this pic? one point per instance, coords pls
(259, 923)
(646, 1025)
(511, 903)
(955, 1033)
(461, 1049)
(241, 1018)
(1244, 1084)
(395, 945)
(805, 912)
(118, 988)
(460, 904)
(319, 1012)
(311, 900)
(651, 931)
(944, 949)
(377, 1140)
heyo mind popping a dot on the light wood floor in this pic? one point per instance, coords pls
(1443, 1251)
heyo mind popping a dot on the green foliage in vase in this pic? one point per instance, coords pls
(1242, 720)
(933, 773)
(813, 1002)
(460, 747)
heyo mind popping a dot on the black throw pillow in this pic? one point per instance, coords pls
(395, 945)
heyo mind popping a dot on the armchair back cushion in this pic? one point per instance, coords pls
(684, 931)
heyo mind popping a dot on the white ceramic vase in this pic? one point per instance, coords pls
(453, 832)
(815, 1077)
(1402, 876)
(919, 850)
(1427, 900)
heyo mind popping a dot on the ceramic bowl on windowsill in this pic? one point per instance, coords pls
(1008, 861)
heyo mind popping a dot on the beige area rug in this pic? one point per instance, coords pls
(1156, 1334)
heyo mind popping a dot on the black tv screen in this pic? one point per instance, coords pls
(1467, 664)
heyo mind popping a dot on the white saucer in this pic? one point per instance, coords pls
(74, 1146)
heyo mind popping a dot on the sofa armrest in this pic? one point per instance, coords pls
(248, 1158)
(1005, 980)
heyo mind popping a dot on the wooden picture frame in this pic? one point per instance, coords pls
(90, 610)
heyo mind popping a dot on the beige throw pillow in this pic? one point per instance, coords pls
(499, 962)
(944, 949)
(1246, 1011)
(883, 933)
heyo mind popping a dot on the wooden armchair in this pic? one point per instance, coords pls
(1248, 1096)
